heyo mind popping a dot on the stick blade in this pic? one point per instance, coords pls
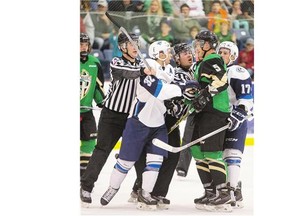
(162, 145)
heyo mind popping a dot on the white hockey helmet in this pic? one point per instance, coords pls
(158, 47)
(233, 50)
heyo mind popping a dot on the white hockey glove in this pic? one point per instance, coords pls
(236, 118)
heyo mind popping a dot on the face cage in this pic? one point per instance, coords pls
(167, 52)
(197, 42)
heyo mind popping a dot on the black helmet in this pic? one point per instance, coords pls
(122, 38)
(181, 47)
(84, 38)
(208, 36)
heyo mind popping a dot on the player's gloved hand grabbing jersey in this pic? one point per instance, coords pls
(201, 100)
(189, 89)
(236, 118)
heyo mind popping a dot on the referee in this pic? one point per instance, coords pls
(122, 91)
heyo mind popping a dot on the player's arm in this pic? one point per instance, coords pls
(119, 69)
(215, 74)
(164, 91)
(241, 83)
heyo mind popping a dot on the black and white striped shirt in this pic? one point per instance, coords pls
(181, 77)
(122, 89)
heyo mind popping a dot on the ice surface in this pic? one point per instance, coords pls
(181, 193)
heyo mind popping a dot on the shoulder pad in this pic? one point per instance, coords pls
(117, 61)
(93, 58)
(238, 72)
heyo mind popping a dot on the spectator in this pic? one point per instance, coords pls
(89, 26)
(246, 57)
(181, 26)
(225, 34)
(82, 26)
(139, 4)
(226, 4)
(113, 39)
(194, 30)
(216, 16)
(165, 6)
(150, 24)
(195, 7)
(246, 17)
(248, 5)
(122, 5)
(165, 32)
(102, 25)
(84, 6)
(235, 15)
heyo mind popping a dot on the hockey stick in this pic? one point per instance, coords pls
(87, 107)
(170, 148)
(121, 28)
(180, 120)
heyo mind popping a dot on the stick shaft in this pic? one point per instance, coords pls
(170, 148)
(122, 29)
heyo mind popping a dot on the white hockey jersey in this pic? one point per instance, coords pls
(165, 74)
(240, 87)
(151, 92)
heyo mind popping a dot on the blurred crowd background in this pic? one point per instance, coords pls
(172, 20)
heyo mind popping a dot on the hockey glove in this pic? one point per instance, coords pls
(189, 89)
(201, 100)
(236, 118)
(174, 107)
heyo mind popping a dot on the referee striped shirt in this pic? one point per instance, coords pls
(122, 89)
(181, 77)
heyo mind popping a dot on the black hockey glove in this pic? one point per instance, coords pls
(201, 100)
(174, 107)
(236, 118)
(168, 104)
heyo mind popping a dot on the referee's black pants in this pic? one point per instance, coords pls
(110, 128)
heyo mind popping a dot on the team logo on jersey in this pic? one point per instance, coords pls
(240, 69)
(85, 82)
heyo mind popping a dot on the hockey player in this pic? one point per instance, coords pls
(124, 71)
(241, 99)
(91, 88)
(176, 109)
(212, 107)
(146, 122)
